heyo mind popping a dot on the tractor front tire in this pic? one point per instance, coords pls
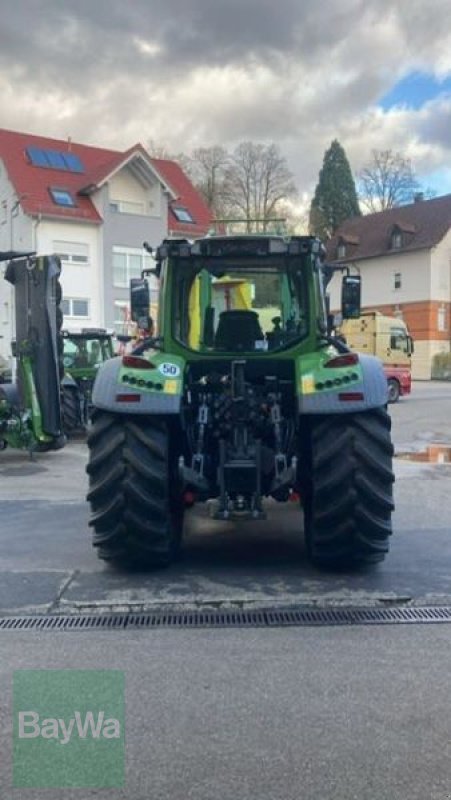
(70, 410)
(134, 492)
(348, 498)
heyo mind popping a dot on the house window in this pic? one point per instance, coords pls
(128, 263)
(127, 207)
(441, 319)
(72, 252)
(76, 307)
(341, 250)
(396, 240)
(182, 214)
(397, 280)
(61, 197)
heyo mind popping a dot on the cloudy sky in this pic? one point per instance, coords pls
(184, 73)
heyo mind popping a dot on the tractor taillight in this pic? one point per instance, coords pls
(135, 362)
(128, 398)
(344, 360)
(350, 397)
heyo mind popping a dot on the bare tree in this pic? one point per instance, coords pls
(295, 216)
(157, 150)
(256, 181)
(253, 182)
(206, 167)
(388, 180)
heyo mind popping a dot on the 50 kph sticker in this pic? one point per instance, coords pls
(169, 370)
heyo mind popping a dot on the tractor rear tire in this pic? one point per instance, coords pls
(348, 495)
(70, 410)
(135, 496)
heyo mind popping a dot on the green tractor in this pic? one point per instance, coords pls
(30, 408)
(84, 352)
(244, 394)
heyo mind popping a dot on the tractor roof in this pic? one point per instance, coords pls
(252, 245)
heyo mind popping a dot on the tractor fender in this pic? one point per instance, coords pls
(108, 394)
(373, 387)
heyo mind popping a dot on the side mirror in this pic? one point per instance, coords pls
(140, 302)
(351, 297)
(410, 346)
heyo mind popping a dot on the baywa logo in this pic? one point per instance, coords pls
(68, 728)
(92, 725)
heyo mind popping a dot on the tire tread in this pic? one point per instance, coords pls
(350, 497)
(132, 491)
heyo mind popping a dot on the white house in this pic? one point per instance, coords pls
(404, 257)
(95, 208)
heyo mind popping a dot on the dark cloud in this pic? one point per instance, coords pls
(200, 72)
(62, 37)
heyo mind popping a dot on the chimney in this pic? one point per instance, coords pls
(69, 144)
(418, 197)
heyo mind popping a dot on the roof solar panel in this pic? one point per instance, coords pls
(69, 162)
(55, 159)
(73, 163)
(37, 156)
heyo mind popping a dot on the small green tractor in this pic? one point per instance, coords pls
(84, 352)
(30, 408)
(242, 394)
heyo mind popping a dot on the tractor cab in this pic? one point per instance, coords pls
(86, 349)
(239, 302)
(84, 353)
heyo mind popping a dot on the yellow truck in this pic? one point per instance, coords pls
(388, 339)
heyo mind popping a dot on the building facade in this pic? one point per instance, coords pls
(404, 258)
(95, 208)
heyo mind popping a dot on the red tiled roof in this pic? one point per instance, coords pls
(425, 223)
(32, 183)
(186, 197)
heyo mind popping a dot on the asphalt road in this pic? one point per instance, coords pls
(48, 564)
(311, 714)
(318, 714)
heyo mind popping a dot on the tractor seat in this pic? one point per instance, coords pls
(238, 330)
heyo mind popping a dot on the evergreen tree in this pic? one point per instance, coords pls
(335, 196)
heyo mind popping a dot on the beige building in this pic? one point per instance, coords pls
(404, 257)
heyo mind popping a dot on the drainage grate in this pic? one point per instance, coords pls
(230, 618)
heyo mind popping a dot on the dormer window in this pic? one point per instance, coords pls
(402, 235)
(347, 244)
